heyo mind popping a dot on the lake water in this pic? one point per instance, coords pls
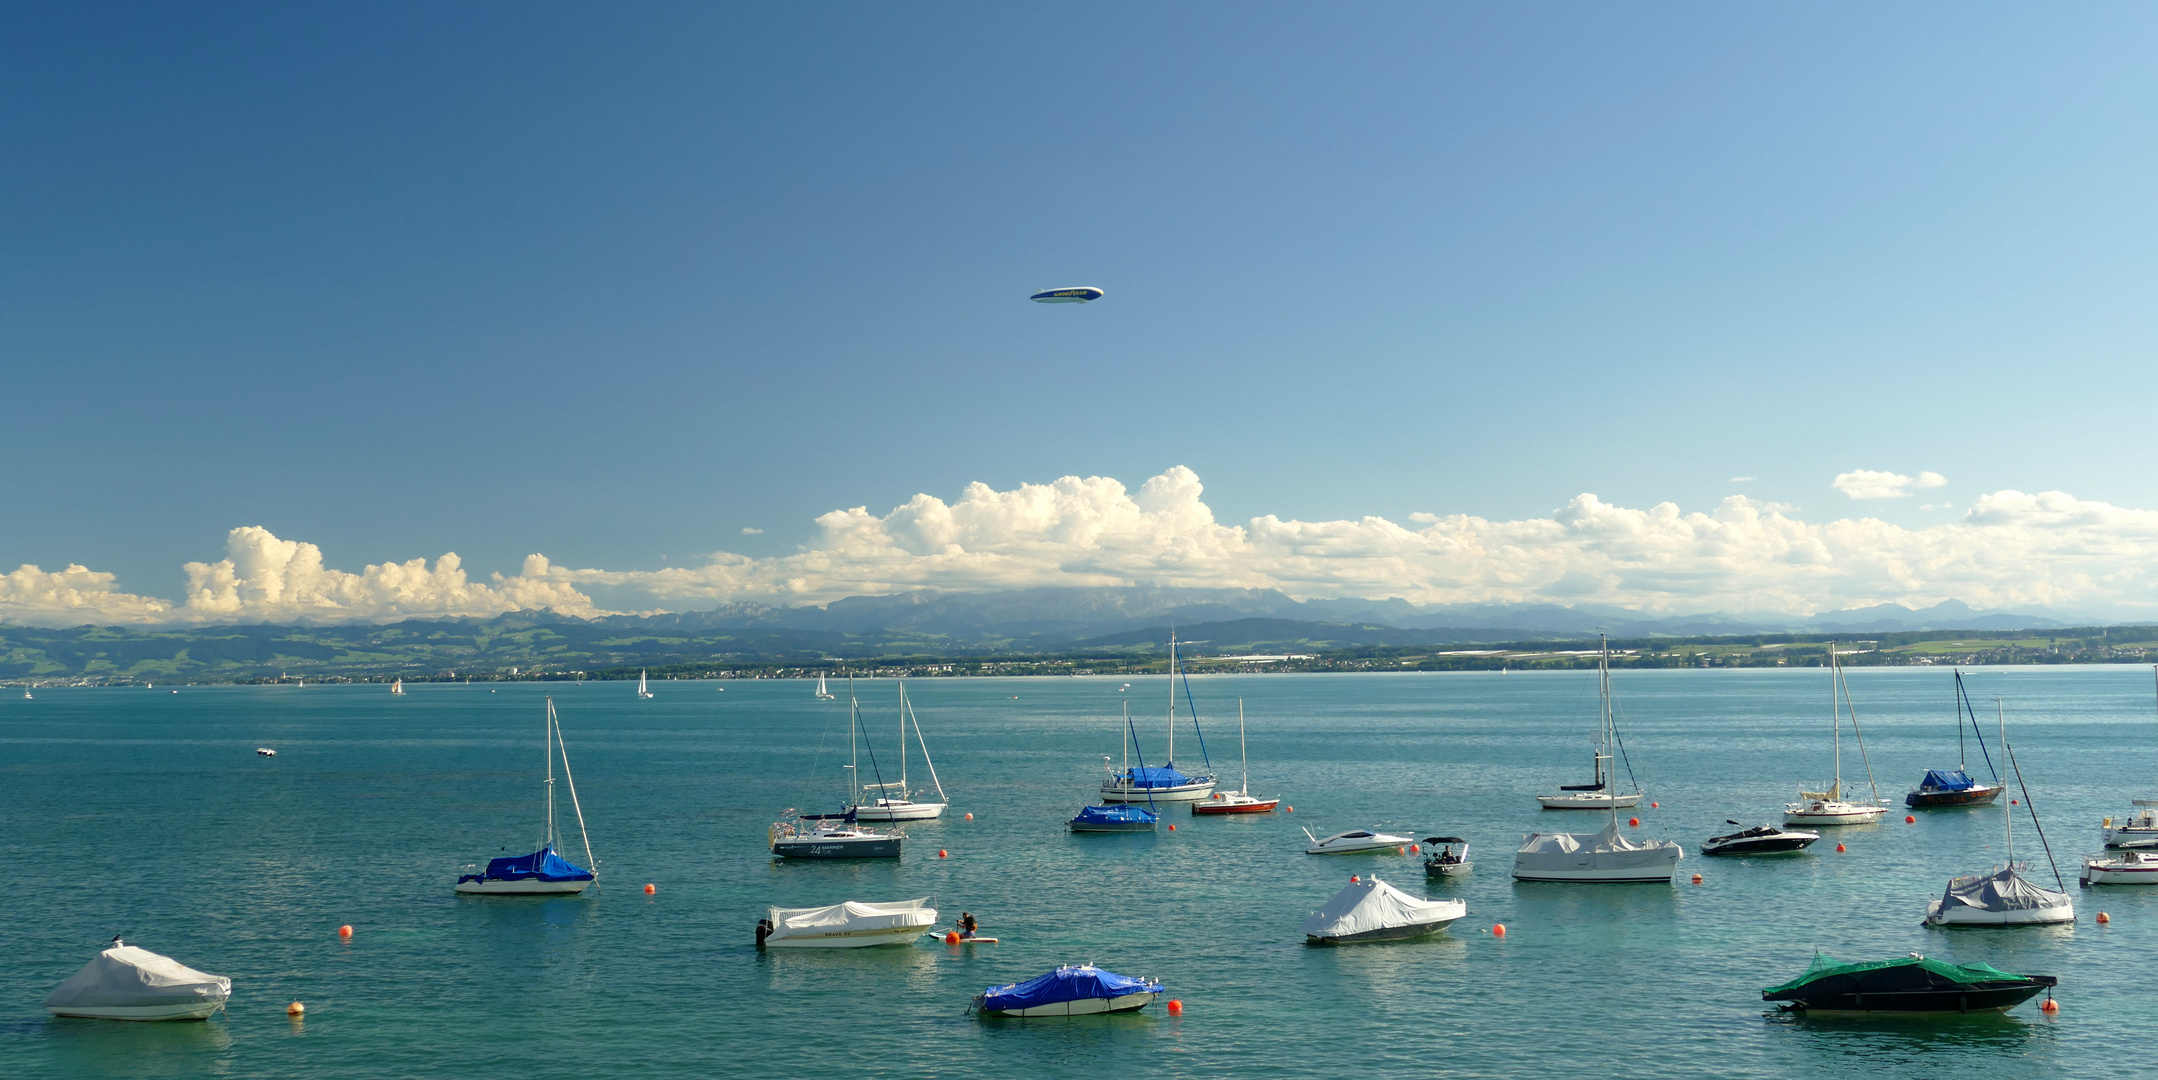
(147, 813)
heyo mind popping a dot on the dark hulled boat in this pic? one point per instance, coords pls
(1910, 984)
(1759, 840)
(1945, 789)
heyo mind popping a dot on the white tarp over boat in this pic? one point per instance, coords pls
(1600, 852)
(1372, 906)
(127, 983)
(875, 923)
(2004, 897)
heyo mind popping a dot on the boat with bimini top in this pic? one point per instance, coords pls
(543, 872)
(1446, 856)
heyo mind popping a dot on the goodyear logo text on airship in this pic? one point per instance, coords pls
(1077, 294)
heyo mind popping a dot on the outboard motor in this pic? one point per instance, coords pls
(764, 930)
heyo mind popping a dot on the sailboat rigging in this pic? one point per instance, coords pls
(1604, 793)
(1240, 801)
(1830, 807)
(822, 693)
(1164, 783)
(642, 690)
(542, 873)
(2005, 897)
(837, 836)
(1954, 787)
(1605, 857)
(902, 808)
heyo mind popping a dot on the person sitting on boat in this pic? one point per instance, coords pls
(967, 925)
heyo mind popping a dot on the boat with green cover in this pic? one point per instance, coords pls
(1909, 984)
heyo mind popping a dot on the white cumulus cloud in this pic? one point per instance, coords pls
(1875, 484)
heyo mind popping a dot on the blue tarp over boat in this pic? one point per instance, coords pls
(542, 865)
(1163, 776)
(1064, 984)
(1120, 814)
(1947, 780)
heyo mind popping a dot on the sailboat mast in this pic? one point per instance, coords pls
(1604, 733)
(2008, 812)
(1835, 718)
(1125, 737)
(1172, 699)
(547, 752)
(1240, 750)
(854, 746)
(1961, 765)
(902, 738)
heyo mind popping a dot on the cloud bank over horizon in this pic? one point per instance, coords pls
(2009, 549)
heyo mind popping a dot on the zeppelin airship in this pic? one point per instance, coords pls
(1078, 294)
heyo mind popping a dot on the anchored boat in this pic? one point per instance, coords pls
(1068, 991)
(1759, 840)
(1446, 856)
(1357, 843)
(2120, 868)
(1830, 807)
(1117, 816)
(886, 807)
(128, 983)
(2004, 897)
(1910, 984)
(1949, 788)
(1604, 793)
(1164, 784)
(848, 925)
(1240, 801)
(544, 872)
(1372, 910)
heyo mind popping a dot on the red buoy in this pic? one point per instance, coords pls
(1655, 806)
(951, 937)
(941, 853)
(1909, 820)
(1634, 822)
(2013, 802)
(1416, 847)
(1498, 929)
(1172, 828)
(2050, 1007)
(1354, 880)
(295, 1009)
(1176, 1007)
(649, 889)
(345, 930)
(2104, 918)
(1697, 879)
(1839, 847)
(970, 817)
(1292, 809)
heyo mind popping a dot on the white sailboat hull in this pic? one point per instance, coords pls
(524, 888)
(1589, 800)
(900, 810)
(1832, 813)
(1116, 792)
(2117, 872)
(2056, 914)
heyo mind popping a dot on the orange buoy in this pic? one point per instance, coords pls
(1176, 1007)
(1172, 828)
(2012, 802)
(970, 817)
(2050, 1007)
(943, 854)
(951, 937)
(1697, 879)
(1498, 929)
(345, 930)
(1839, 847)
(1292, 809)
(1399, 850)
(1909, 820)
(649, 889)
(1634, 822)
(1416, 848)
(1655, 806)
(2104, 918)
(295, 1009)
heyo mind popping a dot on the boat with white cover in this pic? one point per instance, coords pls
(544, 872)
(1831, 807)
(1372, 910)
(848, 925)
(1357, 843)
(1071, 990)
(1604, 858)
(1164, 783)
(895, 802)
(128, 983)
(2004, 897)
(2120, 868)
(1604, 793)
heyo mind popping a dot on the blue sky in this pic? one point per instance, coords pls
(615, 285)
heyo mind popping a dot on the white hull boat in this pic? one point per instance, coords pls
(129, 983)
(1083, 1006)
(895, 802)
(1604, 793)
(544, 872)
(1602, 858)
(1358, 843)
(1126, 792)
(2138, 830)
(1163, 783)
(1084, 990)
(531, 887)
(824, 694)
(2004, 897)
(1588, 800)
(849, 925)
(1830, 807)
(643, 691)
(2120, 868)
(1372, 910)
(899, 810)
(1832, 812)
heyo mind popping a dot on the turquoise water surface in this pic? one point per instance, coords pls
(143, 812)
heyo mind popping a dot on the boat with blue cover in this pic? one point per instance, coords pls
(1070, 990)
(1119, 816)
(1163, 783)
(1949, 788)
(544, 872)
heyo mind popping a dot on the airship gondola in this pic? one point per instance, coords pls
(1079, 294)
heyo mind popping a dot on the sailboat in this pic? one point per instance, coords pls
(2004, 897)
(1112, 816)
(1604, 793)
(1164, 783)
(837, 836)
(544, 872)
(887, 808)
(1830, 807)
(1606, 857)
(1240, 801)
(2138, 830)
(642, 690)
(397, 688)
(1954, 787)
(26, 694)
(824, 694)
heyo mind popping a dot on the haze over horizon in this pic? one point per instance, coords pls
(1676, 309)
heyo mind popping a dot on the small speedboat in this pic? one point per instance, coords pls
(1372, 910)
(1759, 840)
(1117, 817)
(2129, 867)
(1912, 984)
(1357, 842)
(848, 925)
(2138, 830)
(264, 751)
(1446, 856)
(1068, 991)
(129, 983)
(814, 836)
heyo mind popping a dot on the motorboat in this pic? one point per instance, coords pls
(833, 836)
(1372, 910)
(2003, 896)
(895, 802)
(543, 872)
(1070, 990)
(1759, 840)
(1831, 807)
(1446, 856)
(264, 751)
(1162, 783)
(129, 983)
(1116, 817)
(1605, 858)
(1358, 842)
(848, 925)
(2139, 829)
(1604, 794)
(1240, 801)
(1945, 789)
(1909, 984)
(2129, 867)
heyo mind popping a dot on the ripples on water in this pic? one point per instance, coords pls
(128, 811)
